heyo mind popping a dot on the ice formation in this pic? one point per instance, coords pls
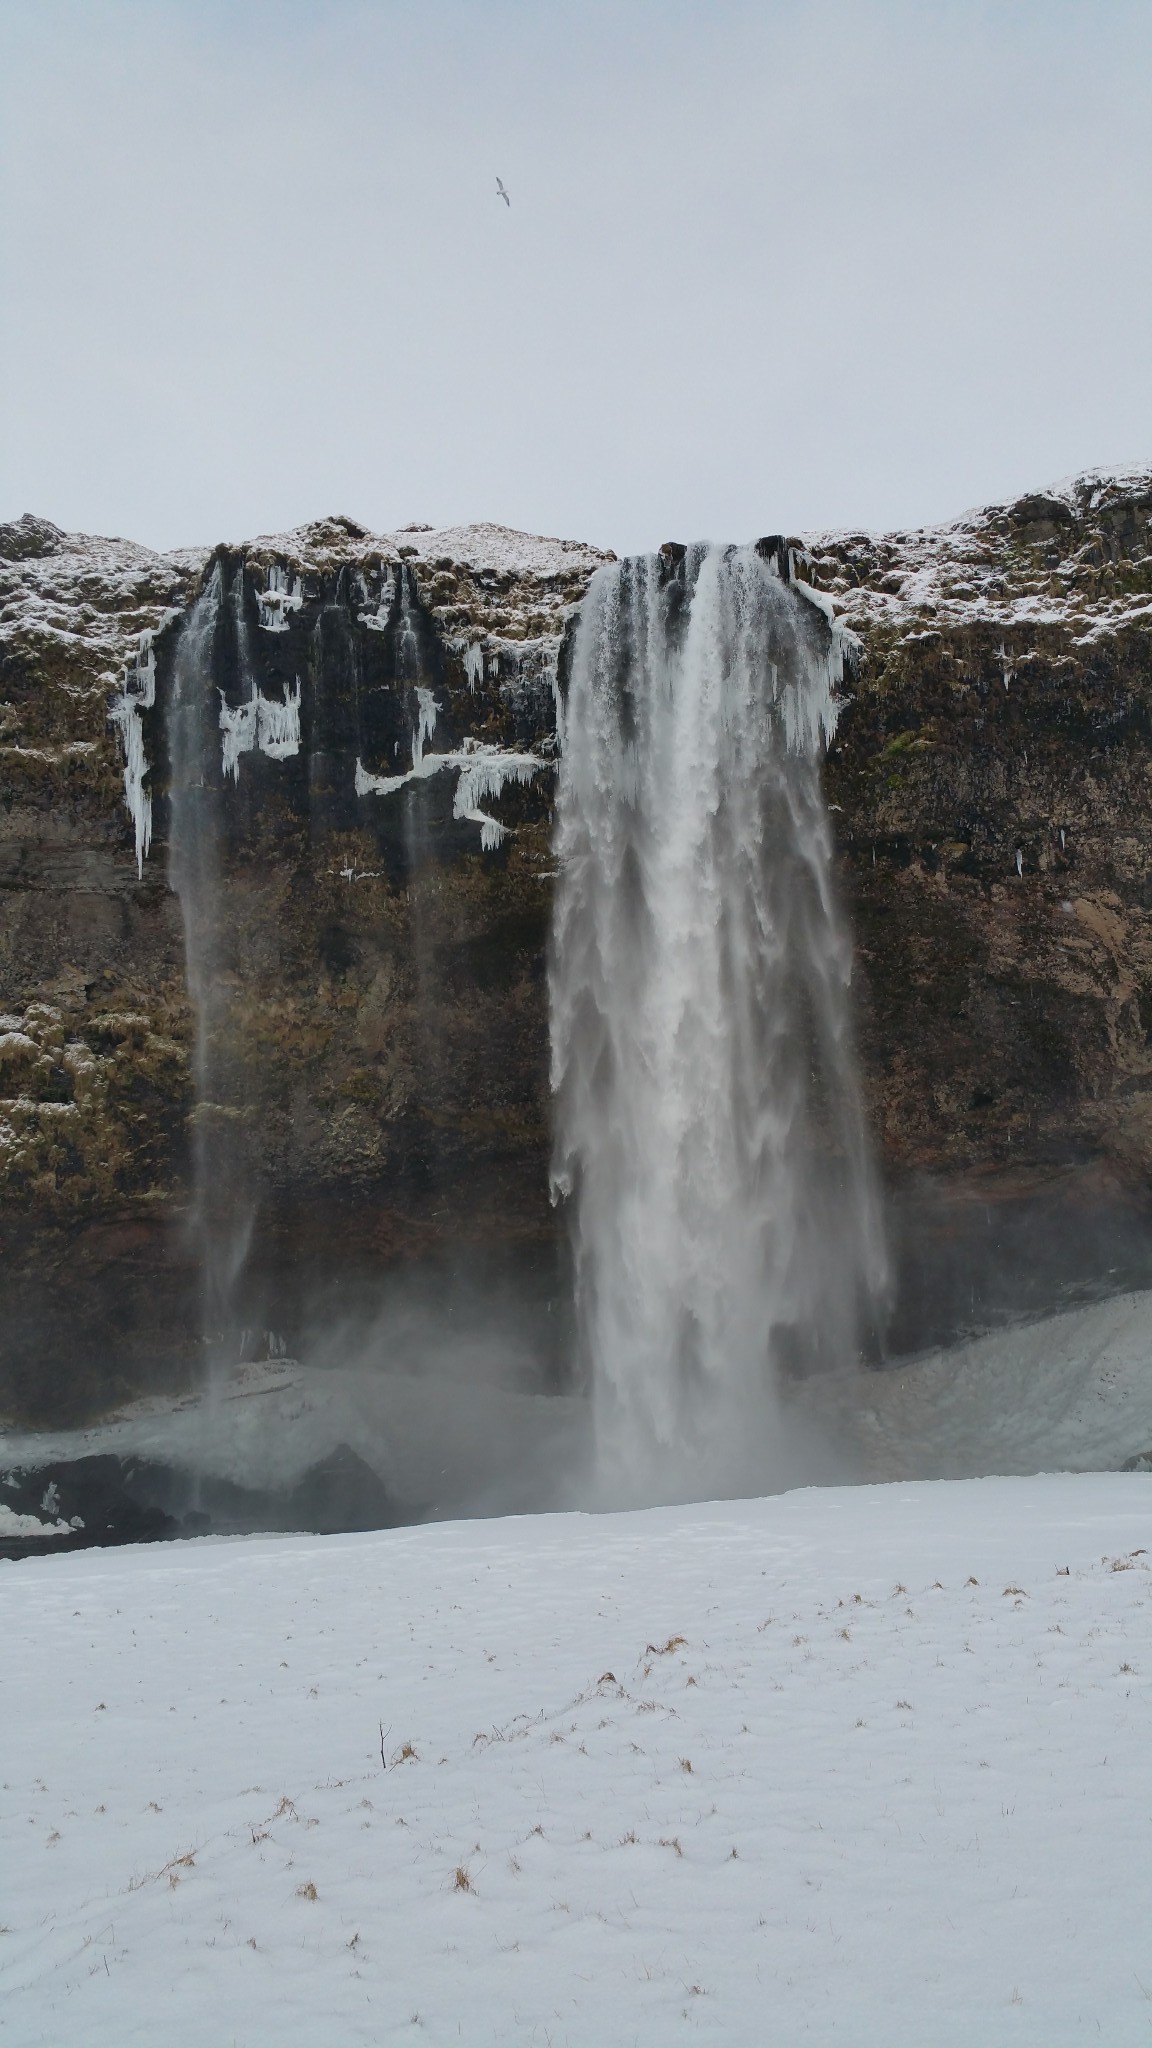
(709, 1135)
(269, 723)
(483, 771)
(427, 708)
(377, 618)
(368, 784)
(138, 694)
(282, 594)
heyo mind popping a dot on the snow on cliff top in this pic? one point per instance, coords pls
(854, 1766)
(1077, 553)
(500, 550)
(95, 596)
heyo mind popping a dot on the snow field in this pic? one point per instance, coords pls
(859, 1765)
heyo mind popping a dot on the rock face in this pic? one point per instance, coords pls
(380, 727)
(994, 782)
(383, 718)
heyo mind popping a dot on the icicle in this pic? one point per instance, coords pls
(377, 619)
(270, 723)
(139, 694)
(425, 723)
(482, 770)
(282, 594)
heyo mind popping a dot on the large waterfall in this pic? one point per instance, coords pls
(709, 1136)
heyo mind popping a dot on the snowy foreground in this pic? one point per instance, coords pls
(863, 1765)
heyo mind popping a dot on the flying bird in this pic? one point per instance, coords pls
(501, 193)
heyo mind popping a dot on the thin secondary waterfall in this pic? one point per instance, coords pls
(709, 1135)
(198, 734)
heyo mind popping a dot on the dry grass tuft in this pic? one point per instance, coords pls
(461, 1882)
(170, 1870)
(307, 1891)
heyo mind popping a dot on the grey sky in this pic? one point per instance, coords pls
(765, 265)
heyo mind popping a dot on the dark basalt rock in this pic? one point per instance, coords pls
(343, 1493)
(112, 1501)
(773, 548)
(29, 538)
(96, 1495)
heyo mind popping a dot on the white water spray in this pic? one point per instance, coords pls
(709, 1135)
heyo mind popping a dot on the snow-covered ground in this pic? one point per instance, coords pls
(1071, 1392)
(862, 1765)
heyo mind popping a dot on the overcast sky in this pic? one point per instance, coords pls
(766, 265)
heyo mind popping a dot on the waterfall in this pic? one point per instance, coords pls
(222, 1209)
(708, 1130)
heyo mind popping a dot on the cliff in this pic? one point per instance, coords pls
(993, 775)
(383, 794)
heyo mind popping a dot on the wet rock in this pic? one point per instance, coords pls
(94, 1497)
(102, 1501)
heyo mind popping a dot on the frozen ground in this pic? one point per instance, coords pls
(1072, 1392)
(864, 1765)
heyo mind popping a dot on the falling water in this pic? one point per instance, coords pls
(709, 1135)
(222, 1210)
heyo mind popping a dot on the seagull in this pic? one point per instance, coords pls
(501, 193)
